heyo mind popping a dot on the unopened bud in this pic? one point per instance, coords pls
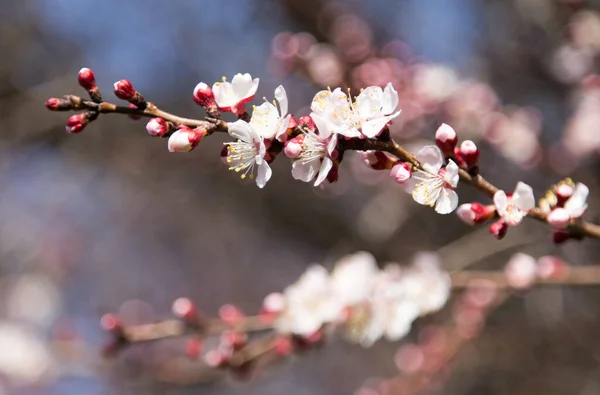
(124, 90)
(56, 104)
(558, 218)
(86, 79)
(475, 213)
(446, 139)
(563, 193)
(560, 236)
(293, 147)
(184, 308)
(498, 229)
(308, 123)
(401, 172)
(157, 127)
(110, 323)
(185, 139)
(76, 123)
(274, 302)
(469, 153)
(215, 359)
(203, 95)
(230, 314)
(550, 266)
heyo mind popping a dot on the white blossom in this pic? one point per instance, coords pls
(367, 115)
(513, 208)
(270, 122)
(577, 203)
(435, 185)
(247, 154)
(231, 96)
(352, 278)
(315, 158)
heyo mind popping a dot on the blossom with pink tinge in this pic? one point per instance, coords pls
(401, 172)
(232, 96)
(293, 147)
(512, 209)
(247, 154)
(315, 160)
(559, 218)
(352, 278)
(366, 116)
(203, 95)
(475, 213)
(469, 153)
(86, 79)
(498, 229)
(521, 271)
(436, 184)
(446, 139)
(184, 139)
(157, 127)
(576, 205)
(124, 90)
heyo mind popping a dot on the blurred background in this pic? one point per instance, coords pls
(109, 220)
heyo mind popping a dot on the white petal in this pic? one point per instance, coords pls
(326, 165)
(265, 120)
(326, 101)
(332, 144)
(390, 99)
(305, 171)
(244, 87)
(347, 131)
(402, 317)
(523, 196)
(431, 158)
(263, 174)
(322, 125)
(282, 99)
(427, 192)
(576, 205)
(416, 178)
(283, 127)
(372, 128)
(241, 130)
(501, 202)
(451, 176)
(224, 94)
(369, 102)
(447, 201)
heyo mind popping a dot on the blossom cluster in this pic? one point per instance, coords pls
(369, 302)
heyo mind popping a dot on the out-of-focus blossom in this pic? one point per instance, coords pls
(426, 284)
(352, 277)
(247, 154)
(521, 271)
(446, 139)
(270, 122)
(435, 82)
(574, 207)
(401, 172)
(33, 299)
(512, 209)
(435, 186)
(475, 213)
(232, 96)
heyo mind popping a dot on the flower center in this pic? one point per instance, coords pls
(242, 157)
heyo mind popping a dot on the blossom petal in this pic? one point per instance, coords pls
(369, 102)
(451, 176)
(224, 94)
(326, 165)
(332, 144)
(241, 130)
(576, 205)
(265, 120)
(390, 99)
(427, 192)
(501, 202)
(305, 171)
(372, 128)
(283, 127)
(244, 87)
(523, 196)
(263, 174)
(326, 102)
(322, 125)
(447, 201)
(281, 97)
(431, 158)
(402, 316)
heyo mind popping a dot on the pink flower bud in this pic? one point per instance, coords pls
(203, 95)
(498, 229)
(86, 79)
(446, 139)
(135, 117)
(521, 271)
(550, 266)
(110, 323)
(76, 123)
(308, 123)
(193, 348)
(401, 172)
(293, 147)
(558, 218)
(215, 359)
(563, 193)
(475, 213)
(378, 160)
(124, 90)
(184, 139)
(230, 314)
(184, 308)
(233, 339)
(56, 104)
(283, 345)
(157, 127)
(560, 236)
(469, 153)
